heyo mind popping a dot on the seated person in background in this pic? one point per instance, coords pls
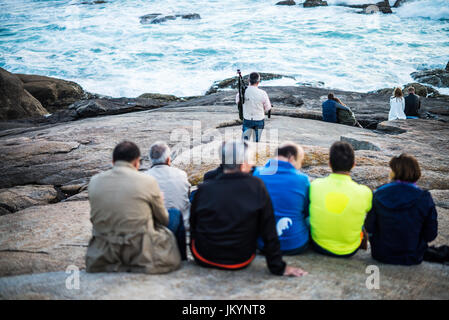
(172, 181)
(289, 192)
(412, 104)
(338, 206)
(403, 218)
(330, 107)
(229, 213)
(397, 105)
(129, 220)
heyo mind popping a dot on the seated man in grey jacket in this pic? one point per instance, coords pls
(172, 181)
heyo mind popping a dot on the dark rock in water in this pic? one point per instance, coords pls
(189, 16)
(360, 145)
(54, 94)
(94, 2)
(15, 101)
(232, 83)
(286, 3)
(314, 3)
(156, 18)
(383, 6)
(435, 77)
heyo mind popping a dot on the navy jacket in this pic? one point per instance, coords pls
(330, 110)
(412, 105)
(402, 221)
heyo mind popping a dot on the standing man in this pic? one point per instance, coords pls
(254, 108)
(412, 104)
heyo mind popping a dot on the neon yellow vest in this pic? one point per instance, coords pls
(338, 207)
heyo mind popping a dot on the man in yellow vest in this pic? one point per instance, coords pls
(338, 206)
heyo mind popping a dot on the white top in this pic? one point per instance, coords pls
(175, 186)
(397, 107)
(256, 103)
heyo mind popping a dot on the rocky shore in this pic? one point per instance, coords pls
(46, 164)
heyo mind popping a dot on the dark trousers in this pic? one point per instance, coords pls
(250, 126)
(176, 225)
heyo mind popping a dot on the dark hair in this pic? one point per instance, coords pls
(254, 77)
(405, 168)
(288, 151)
(341, 157)
(331, 96)
(126, 151)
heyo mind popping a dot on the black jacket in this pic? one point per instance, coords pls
(212, 174)
(402, 221)
(412, 105)
(226, 217)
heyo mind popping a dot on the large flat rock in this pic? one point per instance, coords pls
(37, 244)
(60, 232)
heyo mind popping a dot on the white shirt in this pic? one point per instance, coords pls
(397, 107)
(256, 103)
(175, 186)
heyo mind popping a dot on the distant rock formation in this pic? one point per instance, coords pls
(15, 101)
(156, 18)
(54, 94)
(434, 77)
(286, 3)
(314, 3)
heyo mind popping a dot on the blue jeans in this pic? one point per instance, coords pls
(176, 225)
(250, 126)
(412, 117)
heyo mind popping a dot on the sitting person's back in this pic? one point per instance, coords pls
(330, 107)
(403, 218)
(412, 104)
(229, 213)
(129, 219)
(172, 181)
(338, 206)
(397, 106)
(289, 191)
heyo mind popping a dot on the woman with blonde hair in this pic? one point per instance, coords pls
(397, 105)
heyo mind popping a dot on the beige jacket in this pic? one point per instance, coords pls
(129, 219)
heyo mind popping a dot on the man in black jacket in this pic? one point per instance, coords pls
(412, 104)
(230, 212)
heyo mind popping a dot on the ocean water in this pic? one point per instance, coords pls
(107, 50)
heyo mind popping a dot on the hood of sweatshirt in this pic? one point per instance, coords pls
(398, 195)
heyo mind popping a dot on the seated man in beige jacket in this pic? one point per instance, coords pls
(129, 220)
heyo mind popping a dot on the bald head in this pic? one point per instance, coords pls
(291, 152)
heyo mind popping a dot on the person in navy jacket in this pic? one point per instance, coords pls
(288, 188)
(403, 218)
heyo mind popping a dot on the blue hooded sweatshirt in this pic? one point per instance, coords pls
(289, 192)
(403, 219)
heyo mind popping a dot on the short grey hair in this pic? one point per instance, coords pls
(159, 152)
(235, 153)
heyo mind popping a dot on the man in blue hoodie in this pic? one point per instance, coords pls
(403, 218)
(289, 192)
(330, 107)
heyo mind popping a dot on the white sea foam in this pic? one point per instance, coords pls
(106, 49)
